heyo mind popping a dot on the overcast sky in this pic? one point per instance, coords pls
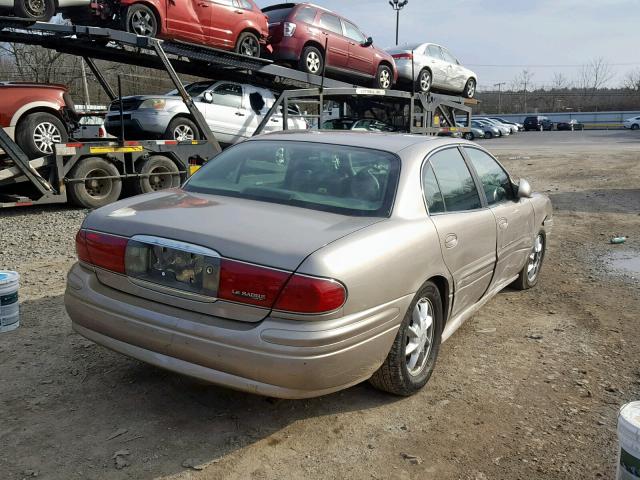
(499, 38)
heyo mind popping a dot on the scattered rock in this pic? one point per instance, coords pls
(117, 433)
(120, 459)
(535, 336)
(413, 459)
(192, 464)
(487, 330)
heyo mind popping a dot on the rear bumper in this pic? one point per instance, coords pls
(276, 357)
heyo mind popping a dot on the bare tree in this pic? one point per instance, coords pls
(559, 82)
(595, 75)
(523, 82)
(632, 80)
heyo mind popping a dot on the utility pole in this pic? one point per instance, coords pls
(499, 85)
(85, 86)
(398, 5)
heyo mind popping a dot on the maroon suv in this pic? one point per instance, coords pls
(299, 33)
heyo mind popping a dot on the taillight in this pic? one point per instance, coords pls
(251, 284)
(403, 56)
(305, 294)
(101, 250)
(102, 132)
(289, 29)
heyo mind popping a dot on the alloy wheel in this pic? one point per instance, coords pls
(425, 81)
(313, 62)
(535, 258)
(249, 47)
(419, 337)
(183, 133)
(384, 79)
(45, 136)
(471, 88)
(36, 8)
(142, 23)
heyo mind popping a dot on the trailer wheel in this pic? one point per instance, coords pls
(141, 20)
(37, 133)
(41, 10)
(162, 174)
(94, 192)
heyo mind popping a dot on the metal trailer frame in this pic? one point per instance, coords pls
(427, 111)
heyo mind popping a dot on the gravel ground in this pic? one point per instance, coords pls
(529, 388)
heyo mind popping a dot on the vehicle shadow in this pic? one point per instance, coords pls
(598, 201)
(71, 402)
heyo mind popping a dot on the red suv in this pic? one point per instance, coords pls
(237, 25)
(37, 116)
(299, 33)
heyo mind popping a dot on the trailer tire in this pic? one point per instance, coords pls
(163, 173)
(35, 10)
(94, 193)
(37, 132)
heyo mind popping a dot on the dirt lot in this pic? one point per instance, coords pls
(527, 389)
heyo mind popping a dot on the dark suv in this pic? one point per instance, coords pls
(537, 123)
(299, 33)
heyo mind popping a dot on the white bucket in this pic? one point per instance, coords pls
(9, 306)
(629, 437)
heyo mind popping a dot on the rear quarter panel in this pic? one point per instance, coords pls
(543, 212)
(16, 101)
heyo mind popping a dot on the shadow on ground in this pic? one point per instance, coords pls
(598, 201)
(66, 397)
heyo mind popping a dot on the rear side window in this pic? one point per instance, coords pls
(434, 52)
(246, 4)
(306, 14)
(228, 95)
(495, 181)
(334, 178)
(455, 181)
(432, 193)
(331, 23)
(353, 32)
(279, 15)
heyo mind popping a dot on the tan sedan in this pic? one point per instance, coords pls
(297, 264)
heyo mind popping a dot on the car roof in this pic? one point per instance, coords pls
(386, 141)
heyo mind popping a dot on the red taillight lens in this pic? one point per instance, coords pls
(81, 247)
(403, 56)
(304, 294)
(106, 251)
(251, 284)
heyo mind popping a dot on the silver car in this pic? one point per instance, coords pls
(40, 9)
(432, 66)
(232, 110)
(298, 264)
(503, 129)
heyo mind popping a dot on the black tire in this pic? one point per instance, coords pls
(424, 81)
(37, 133)
(384, 77)
(488, 135)
(157, 167)
(394, 375)
(41, 10)
(182, 129)
(469, 136)
(470, 88)
(635, 126)
(141, 20)
(248, 45)
(94, 193)
(311, 61)
(526, 281)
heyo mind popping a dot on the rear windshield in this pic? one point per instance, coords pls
(333, 178)
(279, 15)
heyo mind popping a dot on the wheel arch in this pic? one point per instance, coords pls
(36, 107)
(316, 44)
(188, 116)
(442, 283)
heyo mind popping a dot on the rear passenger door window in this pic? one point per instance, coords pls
(495, 181)
(431, 190)
(457, 186)
(228, 95)
(331, 23)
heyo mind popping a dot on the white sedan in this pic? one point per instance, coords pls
(633, 123)
(41, 10)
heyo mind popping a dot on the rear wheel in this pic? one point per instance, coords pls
(141, 20)
(488, 135)
(413, 354)
(470, 88)
(312, 61)
(424, 81)
(530, 273)
(37, 133)
(468, 136)
(635, 126)
(94, 190)
(41, 10)
(159, 173)
(384, 77)
(182, 129)
(248, 45)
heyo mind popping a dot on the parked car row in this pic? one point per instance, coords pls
(489, 127)
(301, 35)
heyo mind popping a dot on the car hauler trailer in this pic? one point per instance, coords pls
(94, 174)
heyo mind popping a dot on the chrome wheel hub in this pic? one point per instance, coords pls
(249, 47)
(471, 89)
(142, 23)
(183, 133)
(535, 258)
(313, 62)
(425, 82)
(419, 338)
(45, 136)
(385, 79)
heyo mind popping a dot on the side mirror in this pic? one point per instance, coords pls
(208, 96)
(524, 189)
(368, 42)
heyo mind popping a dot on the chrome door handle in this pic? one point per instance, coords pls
(451, 240)
(239, 12)
(239, 114)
